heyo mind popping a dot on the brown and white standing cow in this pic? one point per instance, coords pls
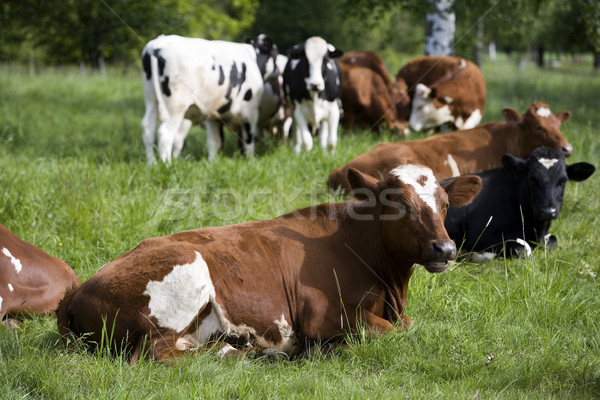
(443, 89)
(275, 285)
(31, 280)
(465, 152)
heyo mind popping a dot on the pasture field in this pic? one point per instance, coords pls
(73, 181)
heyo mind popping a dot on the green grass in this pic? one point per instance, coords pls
(73, 181)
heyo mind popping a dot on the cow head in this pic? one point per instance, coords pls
(547, 173)
(429, 110)
(411, 207)
(540, 127)
(317, 53)
(266, 55)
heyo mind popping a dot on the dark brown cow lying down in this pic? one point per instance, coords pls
(275, 285)
(468, 151)
(367, 101)
(31, 280)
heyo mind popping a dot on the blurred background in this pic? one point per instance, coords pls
(97, 33)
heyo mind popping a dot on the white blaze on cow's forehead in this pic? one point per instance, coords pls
(421, 179)
(543, 112)
(548, 163)
(315, 49)
(0, 303)
(15, 261)
(178, 298)
(11, 288)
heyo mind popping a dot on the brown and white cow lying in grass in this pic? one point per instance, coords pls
(31, 280)
(468, 151)
(274, 285)
(443, 89)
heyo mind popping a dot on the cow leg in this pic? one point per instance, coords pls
(324, 134)
(214, 143)
(303, 136)
(334, 119)
(182, 133)
(166, 136)
(248, 135)
(148, 130)
(375, 324)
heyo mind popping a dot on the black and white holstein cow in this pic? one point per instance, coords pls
(312, 83)
(189, 81)
(515, 208)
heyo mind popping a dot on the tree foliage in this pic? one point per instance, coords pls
(70, 31)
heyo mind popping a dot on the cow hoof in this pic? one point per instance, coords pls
(273, 355)
(550, 241)
(482, 257)
(10, 323)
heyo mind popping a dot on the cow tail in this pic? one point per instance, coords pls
(67, 325)
(163, 113)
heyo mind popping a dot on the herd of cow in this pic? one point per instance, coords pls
(273, 286)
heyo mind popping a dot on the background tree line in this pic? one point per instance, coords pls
(115, 31)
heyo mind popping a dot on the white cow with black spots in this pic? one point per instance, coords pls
(191, 80)
(312, 83)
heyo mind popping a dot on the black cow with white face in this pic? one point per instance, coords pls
(312, 83)
(516, 206)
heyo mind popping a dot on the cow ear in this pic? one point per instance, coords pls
(514, 164)
(296, 52)
(463, 190)
(511, 115)
(563, 116)
(333, 52)
(580, 171)
(362, 186)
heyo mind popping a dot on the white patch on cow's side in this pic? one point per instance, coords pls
(11, 288)
(410, 174)
(0, 303)
(548, 163)
(294, 64)
(176, 300)
(471, 122)
(543, 112)
(463, 63)
(453, 165)
(448, 99)
(15, 261)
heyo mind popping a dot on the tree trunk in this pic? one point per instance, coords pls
(439, 33)
(597, 60)
(540, 56)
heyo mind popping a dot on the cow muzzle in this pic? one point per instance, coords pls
(548, 213)
(567, 150)
(442, 251)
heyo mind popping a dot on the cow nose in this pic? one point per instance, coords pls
(567, 150)
(445, 250)
(315, 86)
(549, 213)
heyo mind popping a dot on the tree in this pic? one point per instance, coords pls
(91, 30)
(439, 33)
